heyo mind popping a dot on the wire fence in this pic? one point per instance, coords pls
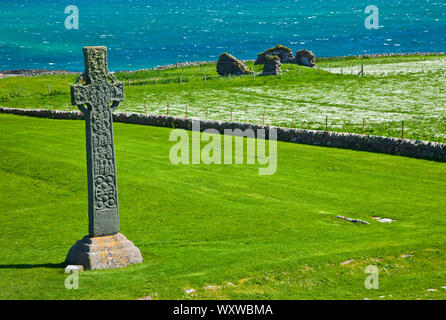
(398, 129)
(286, 116)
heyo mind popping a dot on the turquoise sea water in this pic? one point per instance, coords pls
(147, 33)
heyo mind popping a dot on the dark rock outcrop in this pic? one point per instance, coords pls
(305, 58)
(285, 54)
(229, 65)
(272, 66)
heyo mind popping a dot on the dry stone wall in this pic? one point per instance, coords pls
(403, 147)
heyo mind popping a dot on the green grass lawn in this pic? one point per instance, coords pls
(394, 89)
(271, 237)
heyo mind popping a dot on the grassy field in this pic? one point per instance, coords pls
(247, 236)
(394, 89)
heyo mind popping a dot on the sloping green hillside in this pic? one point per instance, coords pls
(248, 236)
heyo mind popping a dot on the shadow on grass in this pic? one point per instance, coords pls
(33, 266)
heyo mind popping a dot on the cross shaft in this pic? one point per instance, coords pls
(97, 93)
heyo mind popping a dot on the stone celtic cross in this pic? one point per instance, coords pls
(97, 93)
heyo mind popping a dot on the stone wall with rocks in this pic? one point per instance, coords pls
(403, 147)
(34, 72)
(172, 66)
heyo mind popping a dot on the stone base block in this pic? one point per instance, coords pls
(108, 252)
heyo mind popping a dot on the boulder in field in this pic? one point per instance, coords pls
(305, 58)
(285, 54)
(272, 66)
(229, 65)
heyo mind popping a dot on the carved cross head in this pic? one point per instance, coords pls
(96, 87)
(96, 65)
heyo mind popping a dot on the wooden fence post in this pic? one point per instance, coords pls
(263, 119)
(292, 123)
(326, 123)
(49, 89)
(186, 111)
(145, 108)
(363, 125)
(402, 129)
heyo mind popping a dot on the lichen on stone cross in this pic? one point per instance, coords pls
(97, 93)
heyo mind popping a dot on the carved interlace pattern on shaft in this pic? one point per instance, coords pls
(103, 160)
(96, 90)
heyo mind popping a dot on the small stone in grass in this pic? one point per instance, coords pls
(190, 291)
(386, 220)
(432, 290)
(211, 288)
(71, 268)
(146, 298)
(383, 220)
(352, 220)
(347, 262)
